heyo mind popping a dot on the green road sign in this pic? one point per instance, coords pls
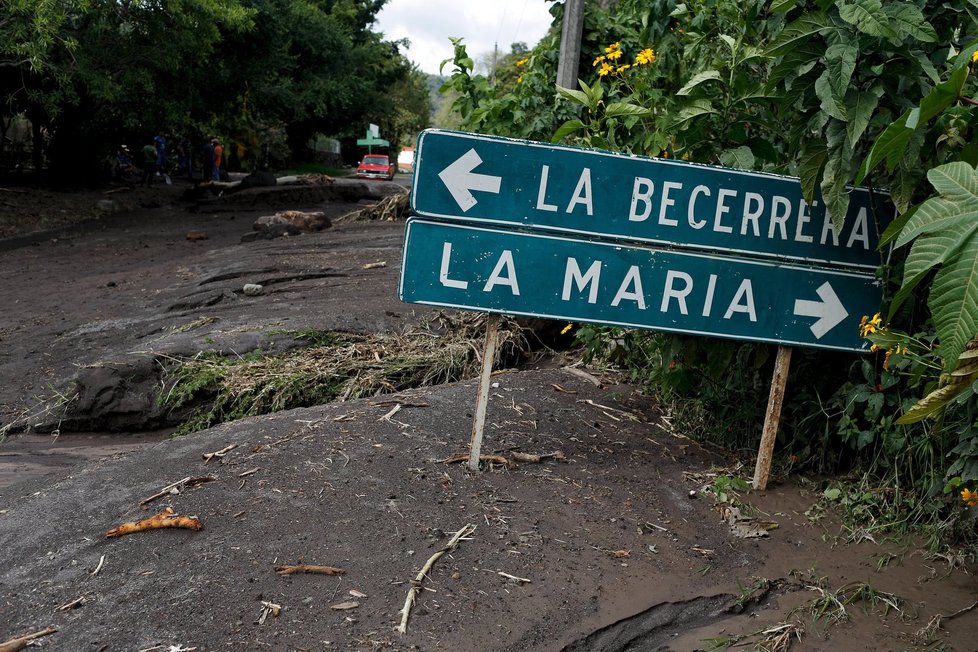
(579, 280)
(515, 183)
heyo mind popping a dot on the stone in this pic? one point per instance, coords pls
(252, 289)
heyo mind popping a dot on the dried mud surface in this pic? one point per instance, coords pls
(605, 549)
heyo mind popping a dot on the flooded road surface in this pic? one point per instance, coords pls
(23, 457)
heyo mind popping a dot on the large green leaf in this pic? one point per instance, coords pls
(831, 101)
(946, 229)
(953, 301)
(889, 146)
(834, 193)
(566, 129)
(907, 20)
(868, 17)
(692, 110)
(799, 33)
(619, 109)
(741, 157)
(859, 109)
(699, 78)
(840, 61)
(926, 253)
(956, 203)
(812, 161)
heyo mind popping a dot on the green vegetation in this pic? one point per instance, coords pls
(838, 93)
(265, 75)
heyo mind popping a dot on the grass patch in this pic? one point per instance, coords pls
(336, 367)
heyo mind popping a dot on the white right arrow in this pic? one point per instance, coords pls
(461, 180)
(829, 310)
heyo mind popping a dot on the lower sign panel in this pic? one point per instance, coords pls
(575, 279)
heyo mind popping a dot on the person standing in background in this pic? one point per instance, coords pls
(160, 143)
(218, 154)
(208, 155)
(149, 163)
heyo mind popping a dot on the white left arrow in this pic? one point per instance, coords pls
(829, 310)
(461, 180)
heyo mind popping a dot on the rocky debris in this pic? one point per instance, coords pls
(252, 289)
(288, 223)
(108, 206)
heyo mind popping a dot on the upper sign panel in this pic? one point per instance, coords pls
(473, 178)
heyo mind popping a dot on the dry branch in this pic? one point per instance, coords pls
(165, 519)
(464, 457)
(283, 569)
(218, 454)
(416, 582)
(20, 642)
(189, 481)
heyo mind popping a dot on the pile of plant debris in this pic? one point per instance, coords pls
(338, 366)
(390, 209)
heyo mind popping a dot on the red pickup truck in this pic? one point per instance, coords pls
(376, 166)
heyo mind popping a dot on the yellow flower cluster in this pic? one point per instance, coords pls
(522, 62)
(970, 498)
(869, 326)
(613, 53)
(645, 57)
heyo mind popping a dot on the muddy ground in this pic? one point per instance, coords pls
(610, 544)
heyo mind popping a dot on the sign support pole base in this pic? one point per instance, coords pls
(482, 399)
(772, 418)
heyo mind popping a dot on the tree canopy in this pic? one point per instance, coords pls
(90, 74)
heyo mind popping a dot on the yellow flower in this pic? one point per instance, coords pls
(622, 69)
(869, 326)
(566, 328)
(974, 57)
(519, 79)
(644, 57)
(614, 47)
(597, 61)
(605, 69)
(970, 498)
(614, 56)
(522, 62)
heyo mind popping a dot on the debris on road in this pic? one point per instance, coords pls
(165, 519)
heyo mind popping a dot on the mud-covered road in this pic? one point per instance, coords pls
(606, 542)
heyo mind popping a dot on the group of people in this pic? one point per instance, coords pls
(153, 160)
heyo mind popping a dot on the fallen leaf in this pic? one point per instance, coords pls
(560, 388)
(283, 569)
(357, 594)
(525, 457)
(619, 554)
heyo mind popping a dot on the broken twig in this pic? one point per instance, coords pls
(283, 569)
(188, 481)
(461, 535)
(218, 454)
(464, 457)
(518, 580)
(20, 642)
(165, 519)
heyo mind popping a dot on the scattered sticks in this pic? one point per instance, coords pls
(283, 569)
(101, 562)
(518, 580)
(189, 481)
(74, 604)
(269, 609)
(464, 457)
(218, 454)
(165, 519)
(461, 535)
(20, 642)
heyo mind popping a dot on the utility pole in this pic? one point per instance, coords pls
(570, 43)
(495, 58)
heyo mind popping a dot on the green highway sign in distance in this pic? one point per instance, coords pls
(579, 280)
(516, 183)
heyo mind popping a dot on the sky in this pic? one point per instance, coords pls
(427, 24)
